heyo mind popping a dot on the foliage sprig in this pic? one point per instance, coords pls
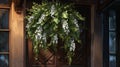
(49, 21)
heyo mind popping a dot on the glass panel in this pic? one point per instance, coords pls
(4, 40)
(112, 61)
(112, 42)
(4, 18)
(4, 61)
(3, 1)
(112, 20)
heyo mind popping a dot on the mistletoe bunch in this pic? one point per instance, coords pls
(49, 21)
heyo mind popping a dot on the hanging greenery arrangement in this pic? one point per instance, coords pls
(49, 21)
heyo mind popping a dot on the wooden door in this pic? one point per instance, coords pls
(82, 52)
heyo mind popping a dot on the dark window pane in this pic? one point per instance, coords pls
(4, 41)
(4, 61)
(112, 42)
(112, 20)
(3, 1)
(112, 61)
(4, 19)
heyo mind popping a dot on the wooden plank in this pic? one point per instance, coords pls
(30, 54)
(96, 40)
(16, 38)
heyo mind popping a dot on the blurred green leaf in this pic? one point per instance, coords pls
(65, 14)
